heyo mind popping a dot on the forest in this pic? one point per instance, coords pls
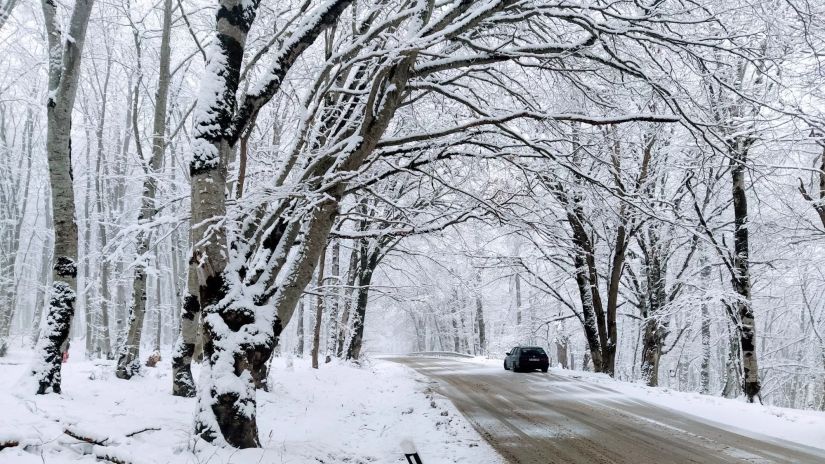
(211, 187)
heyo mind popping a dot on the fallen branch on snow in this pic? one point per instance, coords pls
(85, 437)
(147, 429)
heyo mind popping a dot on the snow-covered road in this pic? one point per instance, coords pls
(549, 418)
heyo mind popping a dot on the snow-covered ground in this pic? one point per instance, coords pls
(736, 415)
(337, 414)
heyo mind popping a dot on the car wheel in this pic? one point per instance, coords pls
(515, 368)
(544, 370)
(505, 366)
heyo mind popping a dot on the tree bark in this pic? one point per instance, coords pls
(332, 325)
(480, 328)
(367, 264)
(299, 348)
(183, 383)
(591, 331)
(128, 361)
(741, 278)
(344, 326)
(319, 311)
(704, 382)
(225, 415)
(104, 338)
(88, 296)
(655, 327)
(561, 352)
(732, 367)
(518, 300)
(64, 73)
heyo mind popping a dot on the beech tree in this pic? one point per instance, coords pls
(128, 362)
(64, 74)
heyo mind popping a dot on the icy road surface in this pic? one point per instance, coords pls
(548, 419)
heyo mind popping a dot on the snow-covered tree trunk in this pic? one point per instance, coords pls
(299, 329)
(64, 74)
(371, 253)
(128, 363)
(319, 311)
(225, 414)
(732, 365)
(183, 383)
(704, 381)
(87, 298)
(561, 352)
(741, 278)
(344, 324)
(104, 339)
(479, 314)
(590, 325)
(518, 299)
(655, 327)
(334, 298)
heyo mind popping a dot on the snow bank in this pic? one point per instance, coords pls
(337, 414)
(737, 415)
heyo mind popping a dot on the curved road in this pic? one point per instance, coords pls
(548, 419)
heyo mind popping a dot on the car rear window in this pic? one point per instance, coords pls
(532, 351)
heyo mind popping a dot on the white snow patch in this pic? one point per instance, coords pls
(338, 413)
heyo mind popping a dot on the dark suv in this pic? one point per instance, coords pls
(526, 358)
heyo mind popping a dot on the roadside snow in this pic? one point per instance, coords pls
(736, 415)
(337, 414)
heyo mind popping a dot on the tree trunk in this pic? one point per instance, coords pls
(226, 415)
(319, 311)
(343, 330)
(332, 325)
(86, 283)
(104, 339)
(704, 382)
(128, 362)
(454, 316)
(367, 265)
(299, 347)
(651, 352)
(159, 313)
(518, 301)
(561, 352)
(183, 383)
(482, 335)
(591, 332)
(741, 279)
(655, 298)
(64, 73)
(732, 367)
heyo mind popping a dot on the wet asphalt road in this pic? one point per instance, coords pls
(544, 418)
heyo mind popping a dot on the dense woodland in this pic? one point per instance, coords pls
(638, 186)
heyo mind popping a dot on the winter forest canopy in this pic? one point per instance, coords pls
(637, 186)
